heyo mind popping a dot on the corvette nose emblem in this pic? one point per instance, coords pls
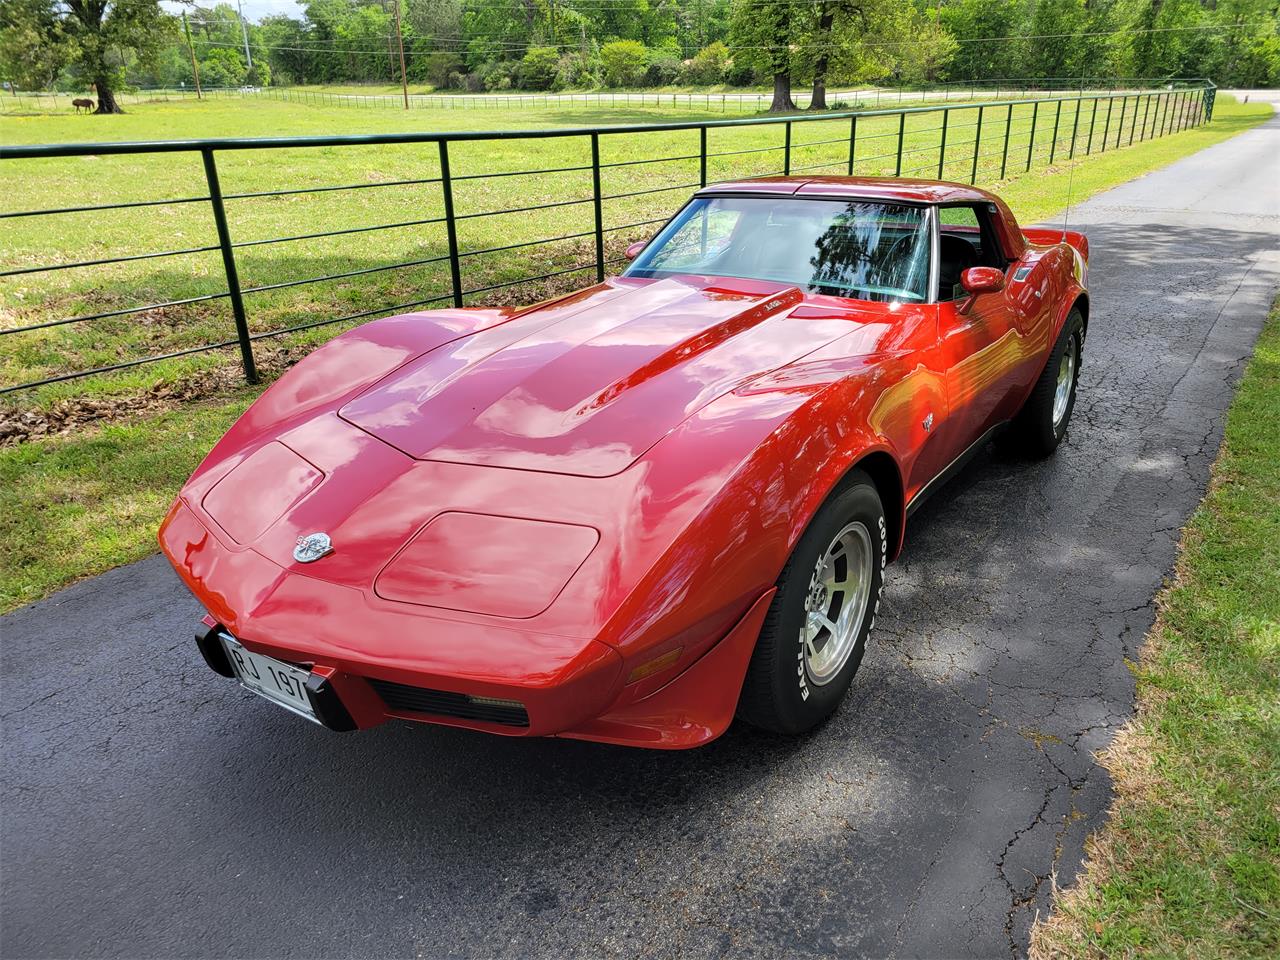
(312, 547)
(928, 423)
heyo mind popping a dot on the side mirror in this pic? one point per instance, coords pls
(633, 251)
(978, 280)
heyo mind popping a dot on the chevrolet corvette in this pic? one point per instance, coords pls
(634, 512)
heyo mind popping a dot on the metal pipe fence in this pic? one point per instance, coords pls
(612, 201)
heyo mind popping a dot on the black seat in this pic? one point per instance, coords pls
(955, 257)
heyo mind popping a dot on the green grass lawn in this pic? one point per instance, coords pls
(76, 504)
(1188, 864)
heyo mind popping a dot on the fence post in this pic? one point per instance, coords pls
(853, 139)
(1124, 103)
(1008, 127)
(1075, 125)
(229, 267)
(595, 196)
(902, 137)
(450, 225)
(942, 147)
(1146, 111)
(977, 147)
(1031, 140)
(1053, 142)
(702, 156)
(1106, 126)
(786, 155)
(1093, 122)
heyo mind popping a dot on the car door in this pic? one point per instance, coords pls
(980, 338)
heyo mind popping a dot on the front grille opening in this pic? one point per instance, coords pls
(402, 698)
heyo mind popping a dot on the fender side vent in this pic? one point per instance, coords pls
(402, 698)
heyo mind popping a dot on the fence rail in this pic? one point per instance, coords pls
(982, 141)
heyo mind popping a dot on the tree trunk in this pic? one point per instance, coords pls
(819, 99)
(782, 102)
(825, 21)
(106, 97)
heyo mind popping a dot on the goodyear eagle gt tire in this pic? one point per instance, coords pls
(815, 632)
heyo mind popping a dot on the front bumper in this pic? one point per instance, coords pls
(371, 660)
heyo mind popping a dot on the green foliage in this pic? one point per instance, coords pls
(820, 42)
(624, 62)
(708, 65)
(33, 48)
(223, 67)
(538, 68)
(576, 70)
(664, 67)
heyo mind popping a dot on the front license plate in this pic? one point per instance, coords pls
(281, 683)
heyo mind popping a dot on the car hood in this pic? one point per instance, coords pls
(584, 386)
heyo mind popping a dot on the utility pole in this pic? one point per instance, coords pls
(195, 67)
(404, 79)
(244, 31)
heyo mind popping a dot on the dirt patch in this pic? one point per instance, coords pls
(18, 425)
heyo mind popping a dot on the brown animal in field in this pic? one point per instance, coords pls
(82, 102)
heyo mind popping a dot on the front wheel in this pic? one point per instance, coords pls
(815, 632)
(1042, 422)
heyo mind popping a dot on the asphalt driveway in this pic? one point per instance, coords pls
(150, 808)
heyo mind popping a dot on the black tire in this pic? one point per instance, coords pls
(780, 692)
(1035, 433)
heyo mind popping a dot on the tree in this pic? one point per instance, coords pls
(223, 67)
(762, 33)
(106, 35)
(624, 62)
(32, 47)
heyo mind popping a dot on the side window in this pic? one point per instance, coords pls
(967, 238)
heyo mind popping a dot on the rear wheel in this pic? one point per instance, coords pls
(815, 632)
(1042, 422)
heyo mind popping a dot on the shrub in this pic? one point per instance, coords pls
(439, 68)
(624, 62)
(538, 68)
(576, 70)
(708, 65)
(497, 76)
(664, 68)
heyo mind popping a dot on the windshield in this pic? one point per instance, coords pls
(849, 248)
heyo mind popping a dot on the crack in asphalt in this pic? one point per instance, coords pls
(153, 809)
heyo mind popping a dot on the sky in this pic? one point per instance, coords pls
(254, 10)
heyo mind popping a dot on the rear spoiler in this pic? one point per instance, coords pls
(1049, 235)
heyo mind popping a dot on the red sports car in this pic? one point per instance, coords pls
(630, 513)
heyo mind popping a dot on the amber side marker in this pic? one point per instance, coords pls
(650, 667)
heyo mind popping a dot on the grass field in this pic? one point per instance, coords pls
(1188, 864)
(73, 505)
(488, 182)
